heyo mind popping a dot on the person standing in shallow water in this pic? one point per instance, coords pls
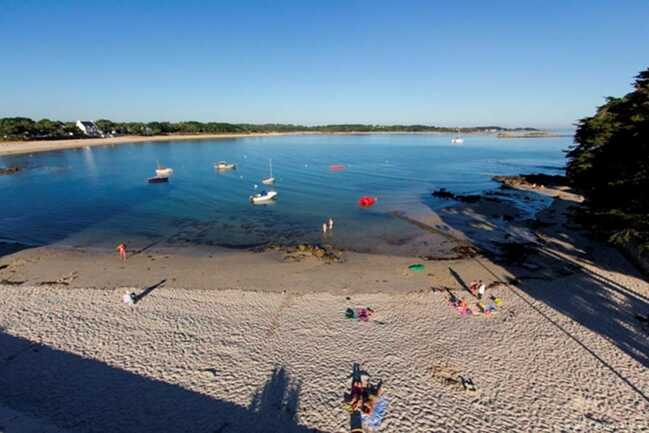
(121, 249)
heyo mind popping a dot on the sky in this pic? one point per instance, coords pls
(449, 63)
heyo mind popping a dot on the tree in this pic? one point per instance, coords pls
(610, 162)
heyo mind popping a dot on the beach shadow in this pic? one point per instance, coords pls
(278, 398)
(85, 395)
(139, 296)
(459, 279)
(554, 269)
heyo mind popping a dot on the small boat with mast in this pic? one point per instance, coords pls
(269, 180)
(263, 197)
(457, 139)
(162, 174)
(162, 171)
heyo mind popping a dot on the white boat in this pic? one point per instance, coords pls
(224, 165)
(163, 171)
(269, 180)
(263, 197)
(457, 139)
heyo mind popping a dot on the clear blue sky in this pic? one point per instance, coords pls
(511, 63)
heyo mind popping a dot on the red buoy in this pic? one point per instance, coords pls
(337, 167)
(366, 201)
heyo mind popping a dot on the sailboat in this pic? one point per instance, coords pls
(224, 165)
(263, 197)
(269, 180)
(457, 139)
(162, 171)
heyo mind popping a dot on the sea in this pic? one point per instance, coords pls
(96, 197)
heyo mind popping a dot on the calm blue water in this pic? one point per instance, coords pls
(96, 197)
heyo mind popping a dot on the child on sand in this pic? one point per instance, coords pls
(121, 249)
(481, 289)
(473, 287)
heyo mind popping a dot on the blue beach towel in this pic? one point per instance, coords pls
(375, 419)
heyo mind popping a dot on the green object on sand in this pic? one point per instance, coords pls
(417, 267)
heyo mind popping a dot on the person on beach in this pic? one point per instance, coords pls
(121, 249)
(473, 287)
(128, 298)
(481, 289)
(331, 224)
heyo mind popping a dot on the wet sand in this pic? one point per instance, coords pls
(234, 341)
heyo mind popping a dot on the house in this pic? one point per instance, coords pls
(89, 128)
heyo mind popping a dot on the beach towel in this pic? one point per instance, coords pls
(375, 418)
(361, 313)
(416, 267)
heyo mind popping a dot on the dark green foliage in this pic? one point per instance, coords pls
(21, 128)
(610, 164)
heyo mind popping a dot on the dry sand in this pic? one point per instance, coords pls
(244, 342)
(19, 147)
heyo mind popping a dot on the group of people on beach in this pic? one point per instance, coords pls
(365, 402)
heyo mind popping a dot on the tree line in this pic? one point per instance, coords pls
(23, 128)
(609, 164)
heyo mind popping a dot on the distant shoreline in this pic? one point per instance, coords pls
(22, 147)
(26, 147)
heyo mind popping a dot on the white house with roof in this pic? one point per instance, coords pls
(88, 128)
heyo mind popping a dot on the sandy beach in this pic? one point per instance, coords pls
(22, 147)
(233, 341)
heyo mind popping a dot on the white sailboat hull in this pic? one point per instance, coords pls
(164, 172)
(263, 198)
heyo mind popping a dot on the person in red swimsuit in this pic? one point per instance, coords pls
(121, 249)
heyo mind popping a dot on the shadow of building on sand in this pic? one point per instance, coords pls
(84, 395)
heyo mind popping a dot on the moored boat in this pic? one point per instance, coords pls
(263, 197)
(224, 165)
(270, 179)
(158, 179)
(163, 171)
(457, 139)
